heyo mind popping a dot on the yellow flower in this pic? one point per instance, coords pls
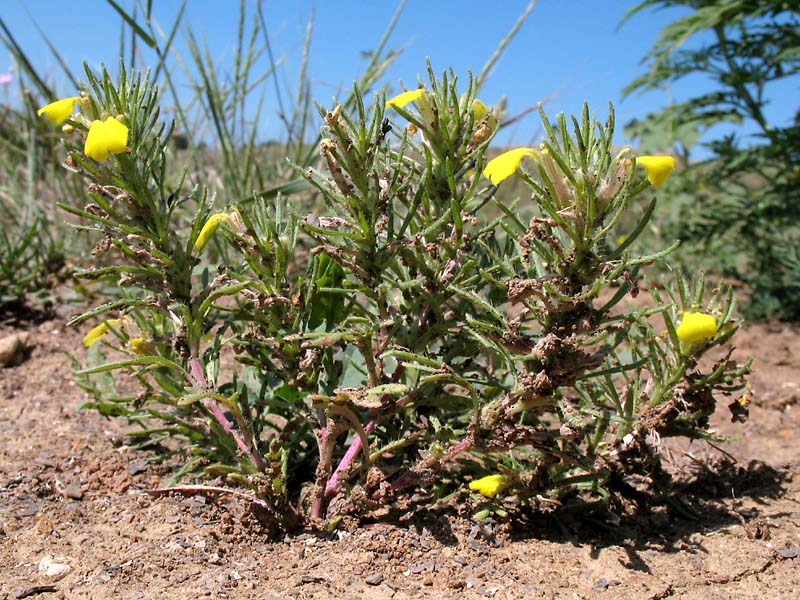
(109, 136)
(209, 228)
(489, 486)
(59, 111)
(696, 326)
(401, 100)
(99, 331)
(139, 346)
(504, 166)
(658, 168)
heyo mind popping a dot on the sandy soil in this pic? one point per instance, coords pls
(76, 523)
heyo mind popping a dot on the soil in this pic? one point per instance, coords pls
(75, 521)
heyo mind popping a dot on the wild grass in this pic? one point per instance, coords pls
(218, 135)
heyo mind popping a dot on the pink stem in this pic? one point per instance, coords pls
(197, 371)
(334, 485)
(219, 415)
(456, 449)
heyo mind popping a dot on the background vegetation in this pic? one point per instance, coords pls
(736, 211)
(215, 135)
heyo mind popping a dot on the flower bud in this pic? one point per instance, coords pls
(209, 228)
(611, 186)
(563, 195)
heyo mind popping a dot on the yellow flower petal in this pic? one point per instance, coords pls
(401, 100)
(116, 136)
(139, 346)
(696, 326)
(59, 111)
(504, 166)
(489, 486)
(658, 168)
(95, 333)
(209, 228)
(105, 137)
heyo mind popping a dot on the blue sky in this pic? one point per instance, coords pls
(568, 50)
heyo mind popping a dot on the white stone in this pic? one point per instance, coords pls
(50, 568)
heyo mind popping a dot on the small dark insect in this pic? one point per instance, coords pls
(385, 129)
(740, 408)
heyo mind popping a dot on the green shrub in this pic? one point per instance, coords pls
(409, 336)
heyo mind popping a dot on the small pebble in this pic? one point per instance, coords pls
(12, 349)
(789, 552)
(602, 584)
(29, 510)
(50, 568)
(140, 466)
(73, 490)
